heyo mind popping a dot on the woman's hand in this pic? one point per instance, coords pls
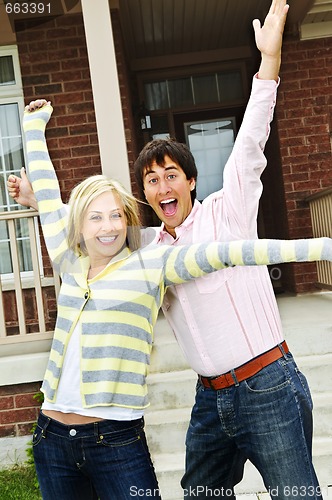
(37, 104)
(19, 188)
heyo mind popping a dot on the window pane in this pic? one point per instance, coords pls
(156, 95)
(205, 89)
(23, 244)
(11, 149)
(13, 153)
(7, 75)
(9, 120)
(5, 259)
(11, 161)
(4, 230)
(180, 92)
(230, 86)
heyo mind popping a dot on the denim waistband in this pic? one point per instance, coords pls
(48, 424)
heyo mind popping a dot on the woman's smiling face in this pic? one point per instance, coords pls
(104, 228)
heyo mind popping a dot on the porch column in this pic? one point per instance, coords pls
(105, 88)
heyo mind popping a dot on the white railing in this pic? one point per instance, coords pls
(321, 218)
(28, 319)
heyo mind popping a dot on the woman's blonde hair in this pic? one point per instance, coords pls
(87, 191)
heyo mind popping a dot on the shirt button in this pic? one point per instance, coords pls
(86, 295)
(72, 432)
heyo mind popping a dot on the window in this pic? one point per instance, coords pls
(222, 87)
(11, 158)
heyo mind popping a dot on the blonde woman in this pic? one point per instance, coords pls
(90, 441)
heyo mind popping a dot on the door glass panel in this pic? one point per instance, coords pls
(211, 143)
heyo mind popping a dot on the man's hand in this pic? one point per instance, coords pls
(269, 39)
(19, 188)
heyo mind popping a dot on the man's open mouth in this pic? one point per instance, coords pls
(169, 206)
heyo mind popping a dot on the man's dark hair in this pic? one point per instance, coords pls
(156, 150)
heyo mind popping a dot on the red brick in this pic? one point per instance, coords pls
(25, 429)
(7, 431)
(14, 416)
(6, 403)
(20, 388)
(26, 401)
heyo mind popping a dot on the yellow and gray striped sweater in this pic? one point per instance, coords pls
(118, 309)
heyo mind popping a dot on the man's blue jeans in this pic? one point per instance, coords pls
(108, 460)
(266, 419)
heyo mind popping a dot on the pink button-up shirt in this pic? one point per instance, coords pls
(226, 318)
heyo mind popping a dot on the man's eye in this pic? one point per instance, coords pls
(152, 181)
(171, 176)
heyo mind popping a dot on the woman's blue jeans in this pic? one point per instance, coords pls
(266, 419)
(106, 460)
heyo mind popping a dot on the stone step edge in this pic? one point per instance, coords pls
(188, 373)
(174, 462)
(174, 375)
(175, 415)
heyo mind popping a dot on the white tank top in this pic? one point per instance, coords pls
(68, 398)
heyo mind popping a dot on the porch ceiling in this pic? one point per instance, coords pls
(156, 28)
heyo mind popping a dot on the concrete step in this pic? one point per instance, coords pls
(174, 389)
(170, 466)
(322, 415)
(166, 429)
(166, 354)
(170, 390)
(318, 371)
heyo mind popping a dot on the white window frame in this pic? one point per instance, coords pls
(16, 89)
(13, 94)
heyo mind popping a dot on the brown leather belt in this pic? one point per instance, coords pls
(245, 371)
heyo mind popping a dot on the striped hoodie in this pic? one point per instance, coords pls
(117, 310)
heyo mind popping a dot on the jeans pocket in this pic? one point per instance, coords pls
(37, 436)
(272, 378)
(122, 437)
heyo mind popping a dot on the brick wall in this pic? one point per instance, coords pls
(18, 409)
(54, 65)
(304, 114)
